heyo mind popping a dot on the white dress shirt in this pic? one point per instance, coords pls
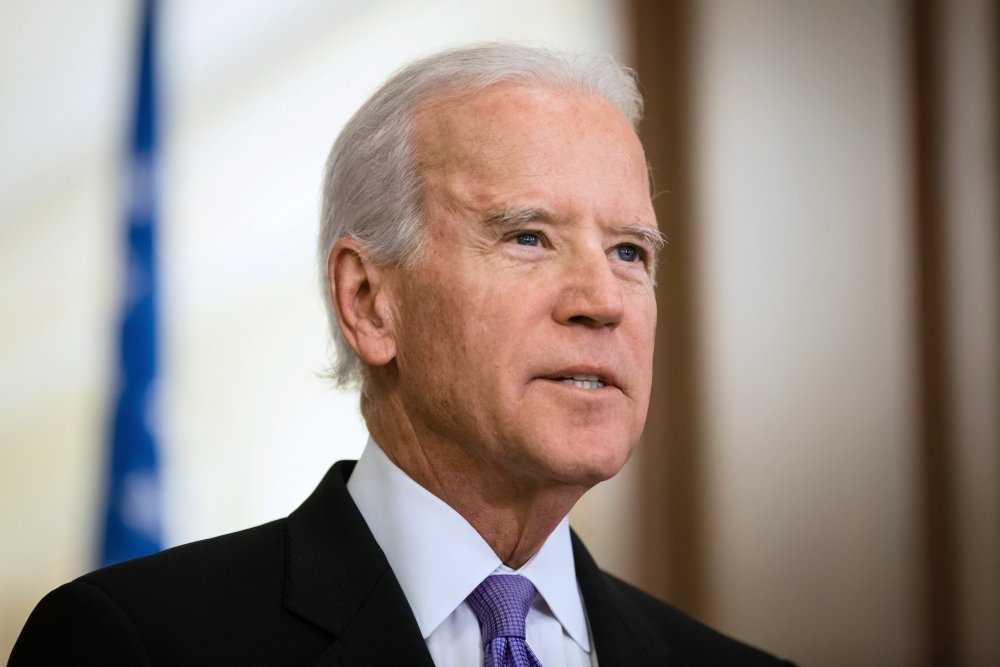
(439, 558)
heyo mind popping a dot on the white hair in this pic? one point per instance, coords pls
(371, 187)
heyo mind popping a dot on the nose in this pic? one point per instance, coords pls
(590, 294)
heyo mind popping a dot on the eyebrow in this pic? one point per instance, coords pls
(511, 216)
(651, 235)
(517, 217)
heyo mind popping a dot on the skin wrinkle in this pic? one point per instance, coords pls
(466, 405)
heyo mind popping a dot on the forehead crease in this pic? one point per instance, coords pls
(484, 121)
(482, 152)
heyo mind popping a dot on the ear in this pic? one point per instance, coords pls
(358, 291)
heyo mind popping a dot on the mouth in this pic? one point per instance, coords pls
(582, 381)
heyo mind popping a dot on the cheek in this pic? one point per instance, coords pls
(642, 344)
(441, 335)
(643, 328)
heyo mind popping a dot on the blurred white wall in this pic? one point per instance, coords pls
(253, 95)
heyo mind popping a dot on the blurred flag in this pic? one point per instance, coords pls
(132, 519)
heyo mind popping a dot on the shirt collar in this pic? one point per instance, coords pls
(439, 558)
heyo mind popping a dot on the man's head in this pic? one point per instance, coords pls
(495, 274)
(371, 186)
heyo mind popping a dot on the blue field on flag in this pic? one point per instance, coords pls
(132, 525)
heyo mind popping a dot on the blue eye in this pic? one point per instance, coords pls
(628, 253)
(528, 238)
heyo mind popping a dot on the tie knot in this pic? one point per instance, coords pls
(501, 603)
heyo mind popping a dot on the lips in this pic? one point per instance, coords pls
(588, 377)
(583, 381)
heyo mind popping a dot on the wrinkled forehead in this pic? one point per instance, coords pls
(510, 121)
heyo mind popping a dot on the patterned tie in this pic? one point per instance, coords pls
(500, 603)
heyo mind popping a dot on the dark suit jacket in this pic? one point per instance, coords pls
(312, 589)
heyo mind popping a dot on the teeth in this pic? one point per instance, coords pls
(583, 381)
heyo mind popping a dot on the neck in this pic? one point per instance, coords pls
(514, 513)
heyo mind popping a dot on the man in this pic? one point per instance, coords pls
(489, 252)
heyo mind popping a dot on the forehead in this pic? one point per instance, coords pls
(512, 131)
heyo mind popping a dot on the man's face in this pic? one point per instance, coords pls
(525, 334)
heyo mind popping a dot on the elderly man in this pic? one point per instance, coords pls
(489, 250)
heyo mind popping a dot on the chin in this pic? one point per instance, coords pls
(590, 463)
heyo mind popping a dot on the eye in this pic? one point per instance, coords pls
(528, 238)
(628, 253)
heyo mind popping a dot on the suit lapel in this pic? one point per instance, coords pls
(338, 579)
(621, 635)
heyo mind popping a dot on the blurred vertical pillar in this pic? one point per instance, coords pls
(968, 67)
(954, 68)
(938, 603)
(970, 165)
(672, 539)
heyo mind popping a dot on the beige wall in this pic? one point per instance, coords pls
(808, 286)
(805, 235)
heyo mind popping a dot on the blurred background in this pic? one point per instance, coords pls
(820, 474)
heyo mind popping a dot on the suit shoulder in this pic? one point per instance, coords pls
(78, 623)
(185, 573)
(223, 558)
(692, 640)
(216, 601)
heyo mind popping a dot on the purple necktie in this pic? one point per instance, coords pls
(500, 603)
